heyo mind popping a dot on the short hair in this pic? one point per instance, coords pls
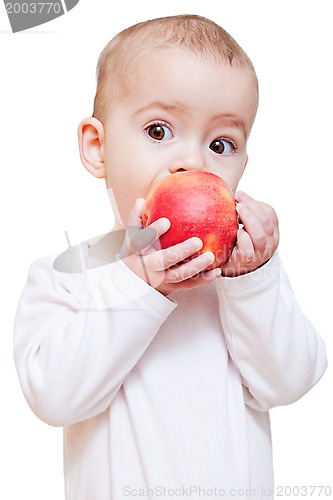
(194, 33)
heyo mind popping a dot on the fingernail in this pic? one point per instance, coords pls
(210, 257)
(216, 272)
(165, 223)
(138, 205)
(197, 243)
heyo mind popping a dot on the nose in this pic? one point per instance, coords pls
(189, 157)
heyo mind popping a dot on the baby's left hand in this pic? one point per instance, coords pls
(257, 240)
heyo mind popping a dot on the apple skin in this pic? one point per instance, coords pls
(197, 203)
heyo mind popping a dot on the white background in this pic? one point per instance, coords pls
(47, 84)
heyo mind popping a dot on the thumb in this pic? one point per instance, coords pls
(134, 217)
(137, 238)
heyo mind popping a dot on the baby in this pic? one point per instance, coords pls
(162, 372)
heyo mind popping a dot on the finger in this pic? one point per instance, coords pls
(245, 247)
(138, 239)
(252, 225)
(264, 212)
(164, 259)
(133, 229)
(189, 269)
(245, 257)
(242, 254)
(201, 279)
(134, 217)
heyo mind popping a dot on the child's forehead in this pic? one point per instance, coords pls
(145, 61)
(164, 81)
(128, 62)
(177, 65)
(160, 76)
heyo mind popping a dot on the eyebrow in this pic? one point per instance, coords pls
(179, 107)
(231, 119)
(161, 105)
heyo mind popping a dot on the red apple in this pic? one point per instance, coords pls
(197, 203)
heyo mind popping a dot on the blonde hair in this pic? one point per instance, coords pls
(195, 33)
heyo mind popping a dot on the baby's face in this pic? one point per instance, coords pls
(182, 113)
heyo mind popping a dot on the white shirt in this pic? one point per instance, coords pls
(163, 397)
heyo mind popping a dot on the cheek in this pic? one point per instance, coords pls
(233, 185)
(238, 171)
(127, 153)
(232, 174)
(126, 181)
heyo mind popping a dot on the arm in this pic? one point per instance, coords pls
(276, 349)
(78, 335)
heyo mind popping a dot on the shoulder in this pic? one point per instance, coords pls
(73, 269)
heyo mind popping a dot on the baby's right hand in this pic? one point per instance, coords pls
(164, 269)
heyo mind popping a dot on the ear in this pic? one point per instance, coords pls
(91, 146)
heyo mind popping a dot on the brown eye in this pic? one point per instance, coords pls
(217, 147)
(223, 146)
(159, 132)
(156, 132)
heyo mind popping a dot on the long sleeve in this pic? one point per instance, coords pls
(77, 336)
(277, 350)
